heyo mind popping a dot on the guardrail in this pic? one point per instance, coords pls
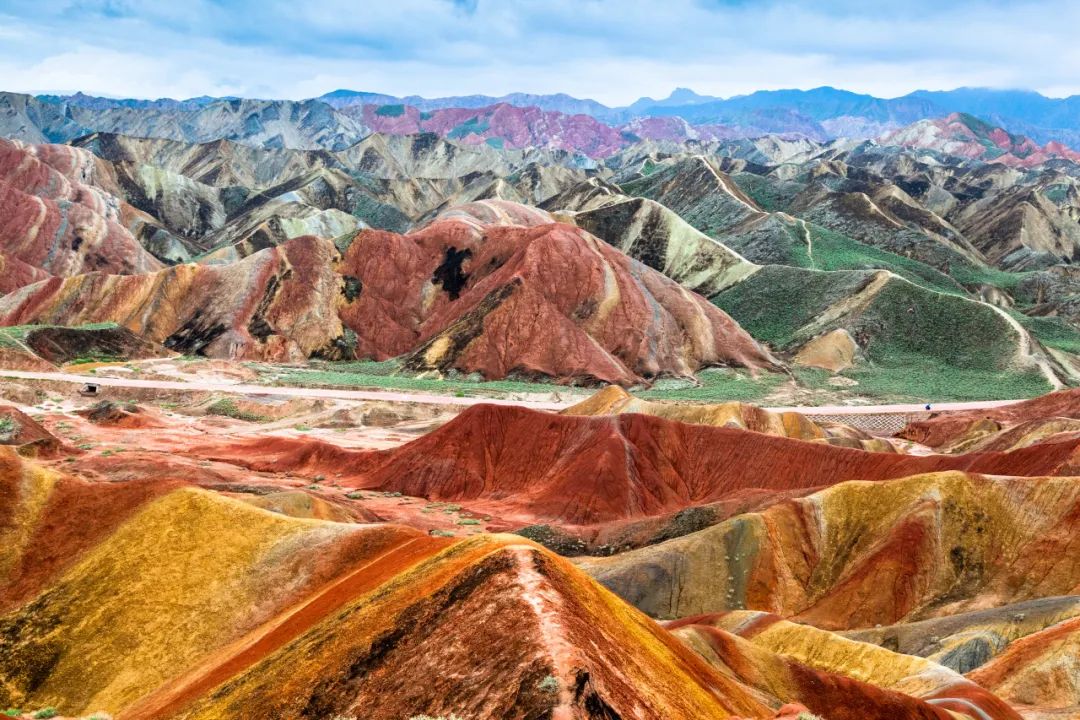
(875, 423)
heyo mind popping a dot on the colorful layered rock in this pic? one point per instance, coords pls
(576, 470)
(861, 554)
(548, 300)
(280, 303)
(614, 400)
(835, 677)
(304, 617)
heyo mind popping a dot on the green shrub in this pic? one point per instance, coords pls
(549, 684)
(468, 521)
(7, 426)
(226, 407)
(43, 713)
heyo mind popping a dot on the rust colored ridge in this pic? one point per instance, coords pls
(48, 520)
(19, 429)
(945, 428)
(279, 303)
(1038, 670)
(549, 300)
(834, 676)
(60, 226)
(526, 634)
(863, 554)
(586, 470)
(614, 400)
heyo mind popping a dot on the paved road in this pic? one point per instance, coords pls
(431, 399)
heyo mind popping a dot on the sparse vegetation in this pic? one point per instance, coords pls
(468, 521)
(227, 407)
(44, 713)
(389, 375)
(550, 684)
(7, 427)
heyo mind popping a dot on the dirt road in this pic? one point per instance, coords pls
(433, 399)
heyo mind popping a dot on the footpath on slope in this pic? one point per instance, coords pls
(435, 399)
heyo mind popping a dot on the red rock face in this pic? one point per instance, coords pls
(588, 470)
(515, 127)
(964, 136)
(54, 225)
(549, 300)
(941, 429)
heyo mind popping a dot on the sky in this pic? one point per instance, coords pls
(614, 51)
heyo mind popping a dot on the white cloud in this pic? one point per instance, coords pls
(611, 50)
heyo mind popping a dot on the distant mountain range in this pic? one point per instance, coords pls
(821, 113)
(1030, 128)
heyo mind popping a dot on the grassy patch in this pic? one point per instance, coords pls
(834, 251)
(15, 335)
(716, 385)
(389, 375)
(776, 301)
(1050, 331)
(227, 407)
(920, 378)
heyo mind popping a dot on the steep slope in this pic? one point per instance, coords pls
(860, 554)
(540, 300)
(575, 470)
(278, 303)
(831, 675)
(310, 618)
(56, 225)
(1038, 673)
(654, 235)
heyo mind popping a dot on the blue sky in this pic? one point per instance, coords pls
(612, 50)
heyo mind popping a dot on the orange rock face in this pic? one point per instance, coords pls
(548, 300)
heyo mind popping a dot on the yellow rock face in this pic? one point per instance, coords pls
(833, 351)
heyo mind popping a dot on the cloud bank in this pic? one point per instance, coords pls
(611, 50)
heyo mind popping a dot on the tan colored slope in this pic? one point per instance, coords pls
(613, 400)
(860, 554)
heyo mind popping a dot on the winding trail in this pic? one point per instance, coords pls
(435, 399)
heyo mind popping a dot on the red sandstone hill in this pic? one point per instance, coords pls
(942, 429)
(546, 300)
(587, 470)
(56, 225)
